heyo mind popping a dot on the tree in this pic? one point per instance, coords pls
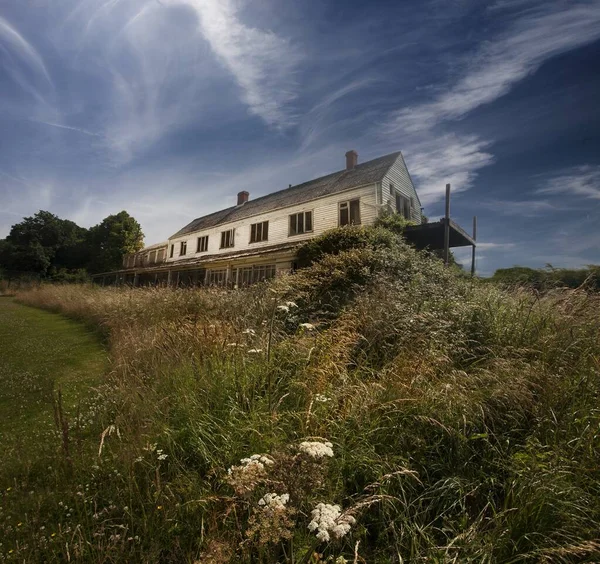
(113, 238)
(40, 243)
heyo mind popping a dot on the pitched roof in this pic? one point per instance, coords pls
(365, 173)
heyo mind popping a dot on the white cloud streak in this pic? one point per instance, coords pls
(500, 64)
(14, 45)
(436, 158)
(582, 181)
(261, 62)
(443, 159)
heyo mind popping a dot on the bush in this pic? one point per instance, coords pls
(343, 239)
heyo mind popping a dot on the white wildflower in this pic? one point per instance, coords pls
(283, 308)
(274, 501)
(320, 398)
(329, 521)
(250, 473)
(254, 351)
(307, 326)
(251, 332)
(291, 304)
(316, 449)
(162, 456)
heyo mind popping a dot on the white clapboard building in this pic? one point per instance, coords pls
(257, 238)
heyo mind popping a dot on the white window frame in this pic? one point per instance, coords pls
(202, 244)
(224, 238)
(346, 204)
(260, 231)
(304, 230)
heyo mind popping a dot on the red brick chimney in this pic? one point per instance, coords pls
(351, 159)
(242, 197)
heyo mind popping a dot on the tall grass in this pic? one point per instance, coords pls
(464, 420)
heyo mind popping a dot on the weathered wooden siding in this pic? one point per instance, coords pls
(398, 176)
(325, 216)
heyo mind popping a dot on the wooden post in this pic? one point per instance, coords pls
(168, 278)
(447, 227)
(136, 279)
(473, 249)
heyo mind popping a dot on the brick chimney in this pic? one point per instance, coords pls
(242, 197)
(351, 159)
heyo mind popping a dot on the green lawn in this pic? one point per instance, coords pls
(40, 353)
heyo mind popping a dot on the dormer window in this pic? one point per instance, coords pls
(183, 248)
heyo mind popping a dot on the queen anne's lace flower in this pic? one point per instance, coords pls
(274, 501)
(250, 473)
(328, 521)
(316, 449)
(307, 326)
(259, 459)
(322, 398)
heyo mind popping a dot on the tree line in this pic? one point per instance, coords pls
(549, 277)
(46, 246)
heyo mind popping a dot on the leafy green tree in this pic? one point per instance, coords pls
(116, 236)
(42, 242)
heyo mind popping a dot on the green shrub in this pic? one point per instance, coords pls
(342, 239)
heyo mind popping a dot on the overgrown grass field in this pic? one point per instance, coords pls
(374, 407)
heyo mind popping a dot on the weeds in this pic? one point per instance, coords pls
(399, 412)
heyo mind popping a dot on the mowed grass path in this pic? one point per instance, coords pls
(40, 353)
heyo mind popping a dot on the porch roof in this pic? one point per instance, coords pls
(431, 235)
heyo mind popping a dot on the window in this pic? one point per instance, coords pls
(183, 248)
(172, 251)
(403, 205)
(202, 244)
(252, 274)
(350, 212)
(216, 277)
(152, 257)
(259, 232)
(301, 223)
(227, 238)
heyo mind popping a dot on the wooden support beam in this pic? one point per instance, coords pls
(473, 247)
(447, 227)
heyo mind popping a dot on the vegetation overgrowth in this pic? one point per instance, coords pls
(374, 407)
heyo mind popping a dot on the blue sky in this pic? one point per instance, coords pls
(168, 108)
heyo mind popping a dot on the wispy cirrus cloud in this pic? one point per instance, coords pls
(443, 159)
(23, 63)
(535, 35)
(582, 181)
(261, 62)
(501, 63)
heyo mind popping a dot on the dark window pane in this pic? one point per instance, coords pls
(300, 223)
(344, 218)
(266, 231)
(355, 212)
(293, 230)
(308, 221)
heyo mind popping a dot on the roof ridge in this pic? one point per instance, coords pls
(321, 186)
